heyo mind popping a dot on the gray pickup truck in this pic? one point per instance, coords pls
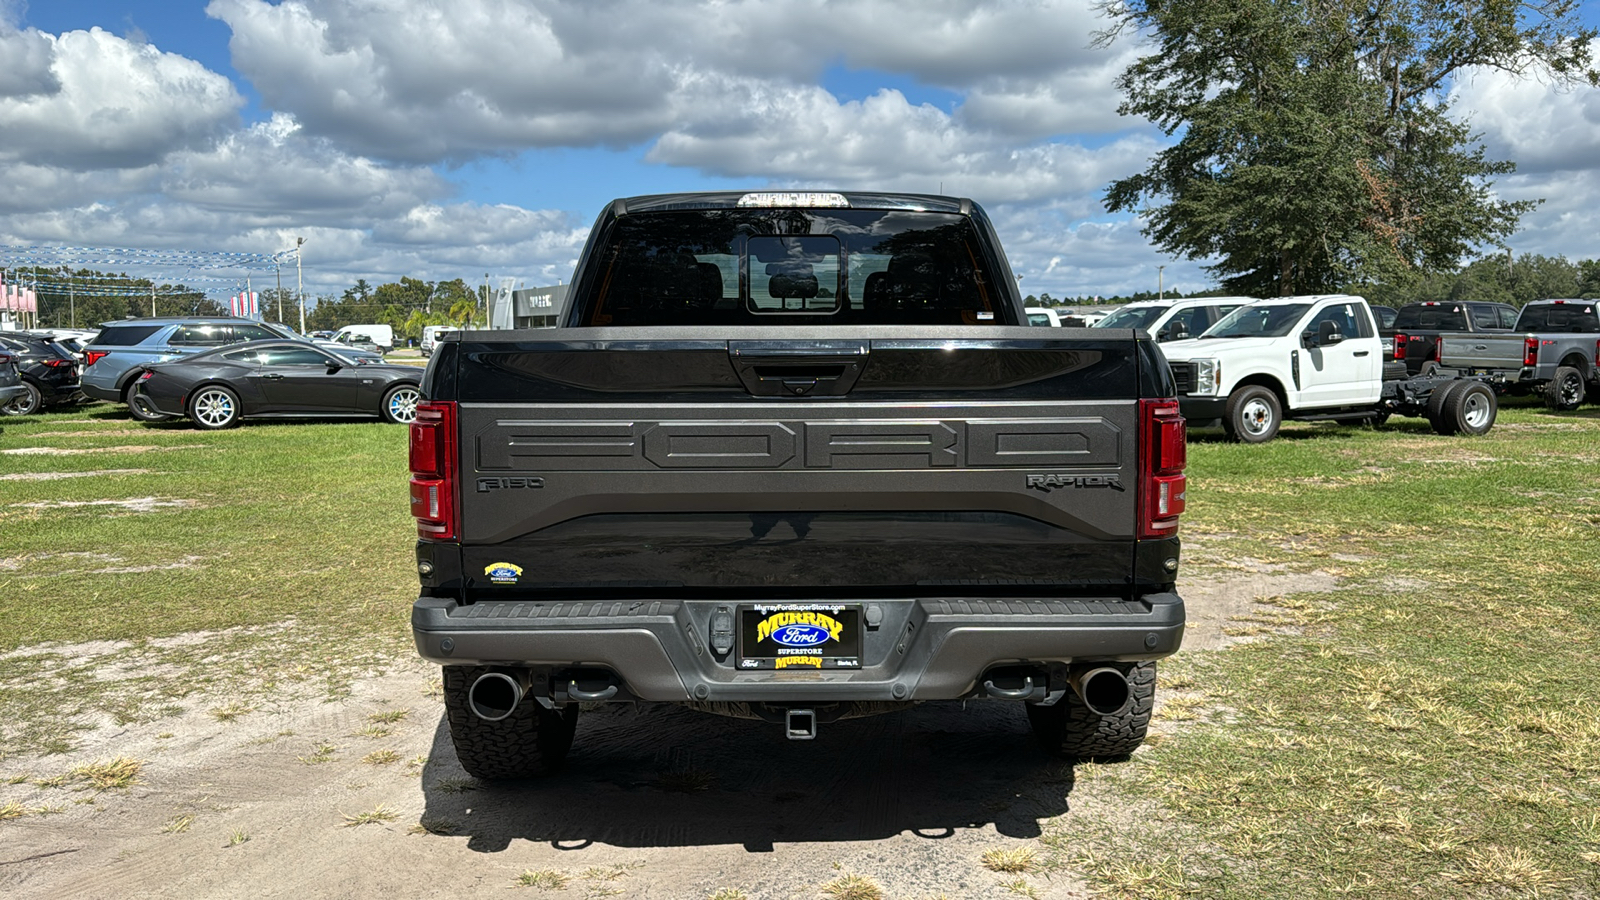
(1553, 349)
(795, 457)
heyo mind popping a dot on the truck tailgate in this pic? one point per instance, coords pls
(923, 461)
(1480, 351)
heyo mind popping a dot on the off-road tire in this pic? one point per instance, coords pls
(1565, 391)
(532, 741)
(1253, 415)
(134, 408)
(1470, 409)
(27, 404)
(1436, 401)
(1069, 729)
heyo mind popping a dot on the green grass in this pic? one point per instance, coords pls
(1427, 730)
(294, 563)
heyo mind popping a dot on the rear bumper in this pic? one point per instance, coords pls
(100, 393)
(932, 649)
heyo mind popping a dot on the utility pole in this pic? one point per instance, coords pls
(72, 295)
(1161, 282)
(299, 284)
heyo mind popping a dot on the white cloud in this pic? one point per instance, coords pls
(109, 103)
(27, 56)
(427, 80)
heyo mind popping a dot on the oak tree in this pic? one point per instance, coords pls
(1315, 144)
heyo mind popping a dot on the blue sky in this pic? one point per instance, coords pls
(454, 138)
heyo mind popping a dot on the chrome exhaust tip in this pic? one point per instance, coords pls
(494, 696)
(1103, 690)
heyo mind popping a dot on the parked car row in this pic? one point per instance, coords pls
(1312, 358)
(1553, 350)
(216, 371)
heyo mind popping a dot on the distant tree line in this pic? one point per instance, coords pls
(1499, 278)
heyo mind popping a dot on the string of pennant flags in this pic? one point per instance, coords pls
(16, 255)
(22, 296)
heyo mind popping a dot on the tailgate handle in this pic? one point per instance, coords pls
(798, 371)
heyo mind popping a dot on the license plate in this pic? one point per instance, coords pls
(800, 636)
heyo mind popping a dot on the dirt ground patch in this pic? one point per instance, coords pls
(82, 451)
(257, 799)
(57, 476)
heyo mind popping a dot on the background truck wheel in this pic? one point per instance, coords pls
(531, 741)
(138, 409)
(1470, 408)
(1436, 417)
(1253, 415)
(1565, 391)
(1069, 729)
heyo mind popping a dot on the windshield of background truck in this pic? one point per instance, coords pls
(1131, 317)
(1564, 318)
(777, 266)
(1275, 320)
(1445, 317)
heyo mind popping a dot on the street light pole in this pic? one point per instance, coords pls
(299, 283)
(1161, 282)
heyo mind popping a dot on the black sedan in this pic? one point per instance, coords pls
(276, 379)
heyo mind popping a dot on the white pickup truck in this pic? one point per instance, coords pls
(1310, 358)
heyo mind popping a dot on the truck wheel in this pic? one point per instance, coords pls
(1069, 729)
(139, 409)
(1471, 408)
(1565, 391)
(25, 405)
(1436, 417)
(1253, 415)
(531, 741)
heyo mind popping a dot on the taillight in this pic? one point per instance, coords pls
(1400, 346)
(1163, 453)
(90, 357)
(1530, 351)
(1597, 354)
(433, 470)
(146, 375)
(58, 363)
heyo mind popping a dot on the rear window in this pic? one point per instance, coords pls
(123, 335)
(1564, 318)
(1442, 317)
(766, 266)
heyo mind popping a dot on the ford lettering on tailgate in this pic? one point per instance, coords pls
(798, 444)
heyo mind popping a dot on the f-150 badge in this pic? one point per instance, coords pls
(503, 572)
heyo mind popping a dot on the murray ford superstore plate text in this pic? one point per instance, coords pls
(800, 636)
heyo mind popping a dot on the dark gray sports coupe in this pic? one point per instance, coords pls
(276, 379)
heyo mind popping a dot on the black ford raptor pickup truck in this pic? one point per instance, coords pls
(795, 457)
